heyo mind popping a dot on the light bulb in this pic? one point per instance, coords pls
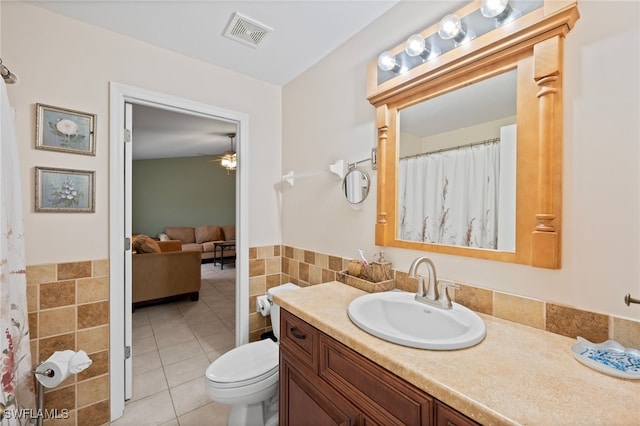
(500, 10)
(415, 45)
(493, 8)
(450, 26)
(387, 62)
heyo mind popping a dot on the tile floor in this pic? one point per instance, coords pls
(173, 344)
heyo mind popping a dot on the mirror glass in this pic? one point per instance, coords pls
(457, 167)
(355, 186)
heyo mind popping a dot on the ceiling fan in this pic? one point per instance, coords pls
(228, 159)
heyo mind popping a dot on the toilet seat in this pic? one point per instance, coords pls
(245, 365)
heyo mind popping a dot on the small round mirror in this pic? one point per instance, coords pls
(356, 186)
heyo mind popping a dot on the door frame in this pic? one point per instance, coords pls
(119, 94)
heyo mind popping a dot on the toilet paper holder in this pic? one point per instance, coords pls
(48, 372)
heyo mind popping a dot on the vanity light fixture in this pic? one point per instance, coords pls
(500, 10)
(417, 46)
(452, 28)
(388, 62)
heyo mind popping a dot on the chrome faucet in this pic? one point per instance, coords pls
(430, 294)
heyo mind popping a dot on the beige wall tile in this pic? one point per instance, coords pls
(48, 345)
(277, 250)
(60, 398)
(41, 274)
(253, 252)
(626, 332)
(273, 280)
(335, 263)
(256, 267)
(573, 322)
(56, 321)
(100, 268)
(265, 251)
(288, 252)
(32, 298)
(256, 321)
(303, 272)
(93, 314)
(273, 265)
(257, 285)
(309, 257)
(92, 391)
(519, 309)
(315, 274)
(474, 298)
(98, 367)
(94, 339)
(95, 414)
(322, 260)
(57, 294)
(72, 270)
(328, 275)
(298, 254)
(93, 289)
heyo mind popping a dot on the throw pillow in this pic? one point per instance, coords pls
(145, 244)
(207, 233)
(229, 232)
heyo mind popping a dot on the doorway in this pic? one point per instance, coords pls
(119, 251)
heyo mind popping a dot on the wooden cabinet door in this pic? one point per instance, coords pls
(307, 401)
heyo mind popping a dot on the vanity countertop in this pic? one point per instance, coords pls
(517, 375)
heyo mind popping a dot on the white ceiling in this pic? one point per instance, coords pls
(303, 33)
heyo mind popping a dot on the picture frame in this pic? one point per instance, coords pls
(64, 190)
(65, 130)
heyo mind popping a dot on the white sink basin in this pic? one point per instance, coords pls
(396, 317)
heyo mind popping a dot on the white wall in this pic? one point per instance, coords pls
(326, 116)
(69, 64)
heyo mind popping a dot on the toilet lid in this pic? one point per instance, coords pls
(245, 364)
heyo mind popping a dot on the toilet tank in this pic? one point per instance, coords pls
(275, 309)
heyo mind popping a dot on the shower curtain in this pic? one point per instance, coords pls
(451, 197)
(17, 402)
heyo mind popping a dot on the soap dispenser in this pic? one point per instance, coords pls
(381, 268)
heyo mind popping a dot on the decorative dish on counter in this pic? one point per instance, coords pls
(609, 357)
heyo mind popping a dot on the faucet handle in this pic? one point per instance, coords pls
(443, 296)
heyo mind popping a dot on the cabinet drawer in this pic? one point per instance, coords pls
(447, 416)
(387, 398)
(299, 338)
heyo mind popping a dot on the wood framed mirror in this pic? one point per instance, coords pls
(524, 57)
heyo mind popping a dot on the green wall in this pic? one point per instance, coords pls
(188, 191)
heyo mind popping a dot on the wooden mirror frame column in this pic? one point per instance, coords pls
(534, 45)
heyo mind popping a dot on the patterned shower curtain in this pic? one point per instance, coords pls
(18, 398)
(451, 197)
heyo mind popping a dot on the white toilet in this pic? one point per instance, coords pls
(246, 378)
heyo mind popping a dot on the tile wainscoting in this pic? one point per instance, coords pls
(68, 307)
(274, 265)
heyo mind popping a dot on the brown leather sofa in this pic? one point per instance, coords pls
(169, 273)
(201, 239)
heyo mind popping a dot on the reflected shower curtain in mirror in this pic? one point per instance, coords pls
(451, 197)
(16, 378)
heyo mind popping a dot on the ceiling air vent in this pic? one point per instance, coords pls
(246, 30)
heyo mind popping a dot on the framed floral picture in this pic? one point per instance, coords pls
(64, 190)
(65, 130)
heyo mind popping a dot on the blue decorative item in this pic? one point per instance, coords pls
(609, 357)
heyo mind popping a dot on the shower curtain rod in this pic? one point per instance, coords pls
(493, 140)
(7, 75)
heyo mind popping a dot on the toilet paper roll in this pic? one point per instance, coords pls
(263, 306)
(58, 366)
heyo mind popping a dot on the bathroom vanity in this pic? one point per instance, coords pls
(335, 373)
(324, 380)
